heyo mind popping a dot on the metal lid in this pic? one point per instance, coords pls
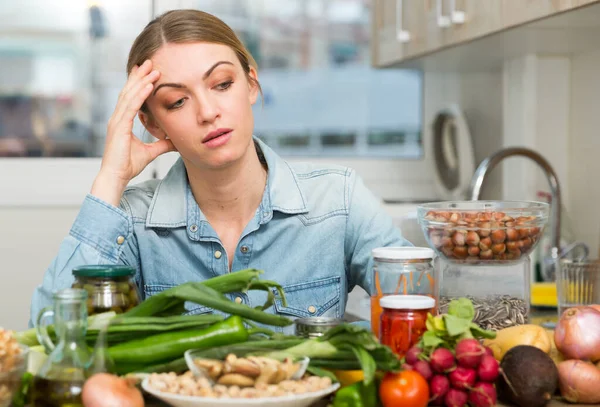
(407, 302)
(315, 326)
(402, 253)
(105, 270)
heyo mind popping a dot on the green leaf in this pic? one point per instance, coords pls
(455, 325)
(461, 308)
(431, 340)
(480, 333)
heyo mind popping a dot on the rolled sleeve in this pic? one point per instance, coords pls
(103, 227)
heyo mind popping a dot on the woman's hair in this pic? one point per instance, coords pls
(187, 26)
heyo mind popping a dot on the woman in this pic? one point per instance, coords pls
(230, 202)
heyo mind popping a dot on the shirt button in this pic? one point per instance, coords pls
(312, 309)
(238, 300)
(218, 254)
(120, 240)
(194, 228)
(245, 249)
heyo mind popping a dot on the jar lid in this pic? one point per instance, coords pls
(104, 270)
(315, 326)
(407, 302)
(402, 253)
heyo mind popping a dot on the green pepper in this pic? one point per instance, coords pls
(356, 395)
(171, 345)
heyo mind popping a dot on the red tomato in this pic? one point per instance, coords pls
(407, 388)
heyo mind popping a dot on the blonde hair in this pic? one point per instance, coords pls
(187, 26)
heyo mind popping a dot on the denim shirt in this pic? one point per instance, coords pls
(313, 233)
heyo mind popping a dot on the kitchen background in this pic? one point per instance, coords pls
(521, 73)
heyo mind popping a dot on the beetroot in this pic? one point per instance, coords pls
(438, 387)
(488, 369)
(483, 395)
(423, 368)
(413, 355)
(442, 360)
(469, 353)
(462, 378)
(456, 398)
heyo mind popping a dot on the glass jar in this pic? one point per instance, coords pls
(59, 381)
(483, 250)
(403, 320)
(314, 327)
(400, 270)
(109, 287)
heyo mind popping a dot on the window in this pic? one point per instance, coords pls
(62, 67)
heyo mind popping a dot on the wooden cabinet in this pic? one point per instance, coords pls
(408, 29)
(524, 11)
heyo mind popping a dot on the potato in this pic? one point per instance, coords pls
(508, 338)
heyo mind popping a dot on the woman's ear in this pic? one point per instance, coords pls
(253, 95)
(150, 125)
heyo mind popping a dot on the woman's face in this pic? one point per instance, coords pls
(203, 102)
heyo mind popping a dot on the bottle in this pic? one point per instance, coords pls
(60, 380)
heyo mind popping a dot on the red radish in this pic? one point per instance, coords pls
(488, 369)
(406, 366)
(442, 360)
(423, 368)
(482, 395)
(456, 398)
(488, 351)
(438, 387)
(469, 353)
(462, 378)
(412, 355)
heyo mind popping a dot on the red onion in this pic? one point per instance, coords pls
(579, 381)
(577, 334)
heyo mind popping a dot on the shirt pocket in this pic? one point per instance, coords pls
(317, 298)
(190, 307)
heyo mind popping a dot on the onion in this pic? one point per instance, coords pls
(106, 390)
(579, 381)
(577, 334)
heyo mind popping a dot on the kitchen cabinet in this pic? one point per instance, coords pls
(409, 29)
(524, 11)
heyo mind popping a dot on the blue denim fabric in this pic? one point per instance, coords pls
(313, 233)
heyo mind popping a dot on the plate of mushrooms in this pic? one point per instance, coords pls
(240, 381)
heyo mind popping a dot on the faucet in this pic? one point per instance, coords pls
(490, 162)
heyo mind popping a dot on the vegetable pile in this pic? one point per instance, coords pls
(458, 368)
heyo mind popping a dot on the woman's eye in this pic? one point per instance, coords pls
(177, 104)
(224, 85)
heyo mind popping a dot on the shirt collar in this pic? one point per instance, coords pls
(173, 204)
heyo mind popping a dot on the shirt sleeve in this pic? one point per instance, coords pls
(368, 227)
(101, 234)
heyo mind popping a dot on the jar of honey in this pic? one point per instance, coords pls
(403, 320)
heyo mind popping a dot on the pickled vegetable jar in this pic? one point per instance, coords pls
(109, 287)
(400, 270)
(403, 320)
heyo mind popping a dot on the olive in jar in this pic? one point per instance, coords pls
(109, 287)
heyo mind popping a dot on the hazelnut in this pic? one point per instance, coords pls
(458, 238)
(473, 250)
(454, 217)
(448, 252)
(526, 243)
(534, 231)
(499, 215)
(436, 238)
(498, 248)
(501, 256)
(507, 218)
(486, 255)
(460, 252)
(513, 245)
(447, 242)
(523, 232)
(498, 236)
(485, 243)
(472, 238)
(485, 229)
(485, 216)
(512, 234)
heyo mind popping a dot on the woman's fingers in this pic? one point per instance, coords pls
(159, 147)
(128, 107)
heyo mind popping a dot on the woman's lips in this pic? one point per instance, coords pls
(217, 138)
